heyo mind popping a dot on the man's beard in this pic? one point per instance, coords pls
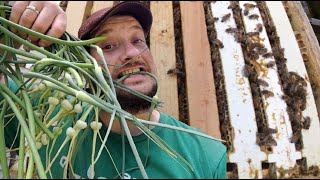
(134, 104)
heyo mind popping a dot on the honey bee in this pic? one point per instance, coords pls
(262, 82)
(268, 130)
(216, 19)
(257, 45)
(262, 50)
(255, 88)
(174, 71)
(267, 93)
(306, 123)
(295, 137)
(277, 52)
(297, 78)
(232, 30)
(239, 37)
(246, 12)
(262, 135)
(253, 16)
(296, 124)
(270, 64)
(218, 43)
(253, 77)
(250, 34)
(247, 70)
(267, 141)
(233, 6)
(259, 27)
(267, 55)
(226, 17)
(286, 98)
(249, 6)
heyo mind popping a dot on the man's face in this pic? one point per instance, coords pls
(125, 51)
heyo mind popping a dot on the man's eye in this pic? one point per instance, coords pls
(109, 46)
(139, 41)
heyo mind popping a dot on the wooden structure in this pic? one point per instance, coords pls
(247, 158)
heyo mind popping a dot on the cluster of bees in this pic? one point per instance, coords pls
(227, 132)
(180, 66)
(294, 86)
(295, 90)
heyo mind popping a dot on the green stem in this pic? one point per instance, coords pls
(100, 53)
(106, 136)
(49, 38)
(21, 155)
(30, 167)
(5, 8)
(28, 135)
(22, 53)
(12, 95)
(3, 157)
(44, 128)
(27, 43)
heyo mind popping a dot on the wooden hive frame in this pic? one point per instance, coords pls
(246, 158)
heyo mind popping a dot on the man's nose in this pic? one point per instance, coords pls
(130, 52)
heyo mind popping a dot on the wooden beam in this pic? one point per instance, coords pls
(203, 110)
(98, 5)
(310, 50)
(77, 12)
(162, 45)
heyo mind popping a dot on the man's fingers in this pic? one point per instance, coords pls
(29, 16)
(50, 20)
(17, 10)
(57, 29)
(43, 22)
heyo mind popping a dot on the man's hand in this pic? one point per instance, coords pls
(51, 20)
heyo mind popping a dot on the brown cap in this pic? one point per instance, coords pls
(134, 8)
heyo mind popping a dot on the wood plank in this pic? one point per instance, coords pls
(77, 12)
(162, 45)
(301, 25)
(203, 110)
(295, 63)
(284, 154)
(247, 154)
(97, 5)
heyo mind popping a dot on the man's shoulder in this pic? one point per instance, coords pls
(190, 137)
(208, 156)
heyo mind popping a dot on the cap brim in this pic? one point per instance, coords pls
(136, 9)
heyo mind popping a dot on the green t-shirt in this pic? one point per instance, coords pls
(207, 157)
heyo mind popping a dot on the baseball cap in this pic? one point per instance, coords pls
(134, 8)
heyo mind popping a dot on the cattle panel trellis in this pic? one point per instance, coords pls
(246, 72)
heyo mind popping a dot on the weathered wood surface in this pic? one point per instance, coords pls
(203, 110)
(162, 46)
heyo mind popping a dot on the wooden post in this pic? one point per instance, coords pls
(162, 45)
(203, 110)
(77, 12)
